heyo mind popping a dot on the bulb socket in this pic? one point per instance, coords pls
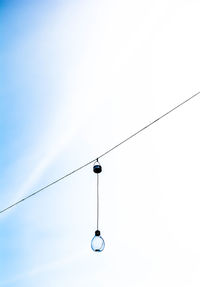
(97, 233)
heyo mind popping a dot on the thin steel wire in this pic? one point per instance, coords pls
(97, 201)
(100, 156)
(150, 124)
(45, 187)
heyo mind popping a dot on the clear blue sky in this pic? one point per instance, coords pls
(76, 78)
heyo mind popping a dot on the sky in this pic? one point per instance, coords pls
(77, 77)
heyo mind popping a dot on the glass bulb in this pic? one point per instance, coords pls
(97, 243)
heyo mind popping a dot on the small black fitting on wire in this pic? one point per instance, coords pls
(97, 167)
(97, 233)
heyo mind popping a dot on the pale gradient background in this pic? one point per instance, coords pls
(76, 78)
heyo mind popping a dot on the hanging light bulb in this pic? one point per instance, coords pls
(97, 243)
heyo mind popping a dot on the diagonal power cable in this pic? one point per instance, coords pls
(100, 156)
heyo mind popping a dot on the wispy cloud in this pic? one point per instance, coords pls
(45, 268)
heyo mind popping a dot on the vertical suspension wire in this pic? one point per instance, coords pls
(97, 201)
